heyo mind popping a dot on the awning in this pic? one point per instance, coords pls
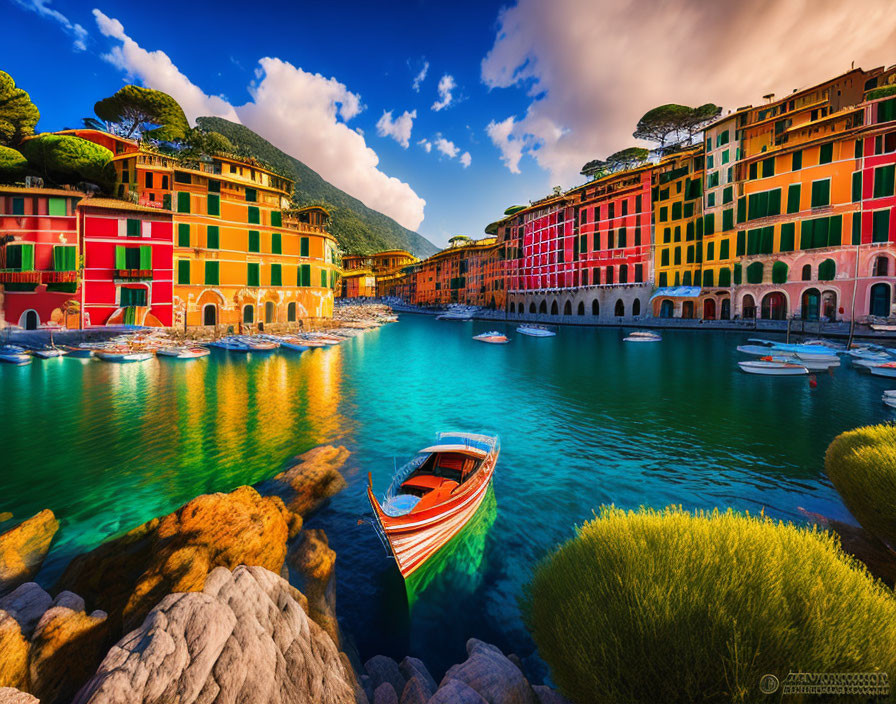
(461, 449)
(677, 292)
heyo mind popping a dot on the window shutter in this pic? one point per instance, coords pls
(56, 207)
(145, 257)
(183, 235)
(724, 277)
(724, 250)
(323, 278)
(793, 198)
(857, 228)
(251, 195)
(183, 202)
(254, 215)
(835, 231)
(276, 243)
(884, 181)
(787, 236)
(213, 205)
(254, 241)
(253, 274)
(58, 258)
(880, 226)
(797, 162)
(120, 262)
(779, 273)
(304, 247)
(741, 244)
(133, 228)
(212, 237)
(276, 218)
(211, 273)
(774, 202)
(183, 272)
(276, 275)
(826, 153)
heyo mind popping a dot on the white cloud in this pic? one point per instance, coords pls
(426, 144)
(446, 147)
(466, 159)
(302, 113)
(446, 85)
(42, 8)
(398, 129)
(591, 80)
(420, 77)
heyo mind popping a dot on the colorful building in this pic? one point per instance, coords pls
(358, 283)
(39, 256)
(374, 274)
(128, 270)
(466, 272)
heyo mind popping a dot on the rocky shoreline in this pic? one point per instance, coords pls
(228, 598)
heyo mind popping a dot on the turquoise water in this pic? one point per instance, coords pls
(584, 420)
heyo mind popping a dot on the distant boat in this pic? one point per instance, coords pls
(13, 354)
(123, 356)
(183, 352)
(287, 342)
(458, 312)
(433, 496)
(888, 369)
(804, 352)
(50, 352)
(770, 368)
(813, 364)
(889, 399)
(535, 331)
(494, 337)
(78, 352)
(244, 343)
(642, 337)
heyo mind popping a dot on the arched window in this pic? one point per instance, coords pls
(567, 309)
(774, 306)
(248, 314)
(827, 270)
(532, 308)
(554, 308)
(595, 308)
(881, 266)
(754, 273)
(512, 308)
(581, 310)
(209, 314)
(543, 308)
(807, 272)
(880, 301)
(636, 308)
(29, 320)
(269, 312)
(619, 310)
(291, 312)
(726, 309)
(709, 309)
(811, 303)
(779, 273)
(687, 309)
(749, 307)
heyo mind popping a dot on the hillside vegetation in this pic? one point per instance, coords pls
(358, 229)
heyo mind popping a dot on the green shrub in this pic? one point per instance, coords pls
(667, 606)
(66, 159)
(862, 465)
(13, 165)
(881, 92)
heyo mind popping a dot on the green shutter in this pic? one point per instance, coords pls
(835, 231)
(183, 235)
(768, 167)
(724, 250)
(56, 206)
(664, 257)
(820, 235)
(884, 181)
(710, 251)
(707, 278)
(18, 206)
(276, 243)
(728, 219)
(120, 261)
(213, 204)
(251, 195)
(755, 273)
(323, 278)
(183, 202)
(725, 276)
(826, 153)
(253, 274)
(858, 151)
(254, 241)
(304, 247)
(806, 236)
(133, 228)
(821, 193)
(856, 186)
(213, 237)
(788, 230)
(254, 216)
(793, 198)
(741, 244)
(183, 271)
(145, 256)
(880, 226)
(305, 275)
(276, 218)
(64, 258)
(738, 274)
(58, 258)
(827, 270)
(779, 273)
(774, 202)
(211, 273)
(276, 275)
(857, 228)
(742, 209)
(767, 239)
(797, 161)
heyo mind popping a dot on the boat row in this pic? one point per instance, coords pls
(458, 312)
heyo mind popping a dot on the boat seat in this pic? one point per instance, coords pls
(439, 494)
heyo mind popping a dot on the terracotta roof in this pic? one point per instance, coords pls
(42, 191)
(115, 204)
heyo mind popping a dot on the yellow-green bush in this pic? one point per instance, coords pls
(13, 165)
(862, 465)
(667, 606)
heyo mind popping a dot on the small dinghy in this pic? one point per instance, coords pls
(535, 331)
(78, 352)
(889, 399)
(433, 496)
(642, 337)
(183, 352)
(769, 368)
(50, 352)
(888, 369)
(123, 356)
(493, 337)
(810, 363)
(13, 354)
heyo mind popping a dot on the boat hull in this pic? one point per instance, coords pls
(773, 368)
(883, 371)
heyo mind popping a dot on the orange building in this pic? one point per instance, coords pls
(468, 271)
(383, 267)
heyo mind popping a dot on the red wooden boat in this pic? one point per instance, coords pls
(433, 496)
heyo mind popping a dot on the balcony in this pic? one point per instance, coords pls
(16, 276)
(133, 274)
(59, 277)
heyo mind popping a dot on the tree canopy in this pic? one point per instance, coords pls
(201, 141)
(594, 168)
(628, 158)
(144, 112)
(67, 159)
(672, 123)
(18, 115)
(12, 165)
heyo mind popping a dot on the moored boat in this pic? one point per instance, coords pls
(645, 336)
(811, 363)
(535, 331)
(78, 352)
(13, 354)
(183, 352)
(49, 352)
(493, 337)
(123, 356)
(888, 369)
(770, 368)
(433, 496)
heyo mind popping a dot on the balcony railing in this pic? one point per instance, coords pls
(59, 277)
(15, 276)
(134, 274)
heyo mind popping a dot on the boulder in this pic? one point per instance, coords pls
(128, 576)
(415, 692)
(488, 671)
(13, 654)
(313, 566)
(244, 637)
(546, 695)
(384, 694)
(23, 549)
(456, 692)
(308, 483)
(9, 695)
(382, 669)
(26, 605)
(414, 667)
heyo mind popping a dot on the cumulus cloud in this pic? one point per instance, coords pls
(591, 79)
(302, 113)
(398, 129)
(42, 8)
(446, 147)
(466, 159)
(420, 77)
(446, 85)
(426, 144)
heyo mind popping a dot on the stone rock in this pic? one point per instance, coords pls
(129, 575)
(245, 637)
(23, 549)
(313, 564)
(488, 671)
(382, 669)
(13, 654)
(26, 605)
(410, 667)
(515, 659)
(385, 694)
(546, 695)
(415, 692)
(8, 695)
(456, 692)
(313, 479)
(5, 516)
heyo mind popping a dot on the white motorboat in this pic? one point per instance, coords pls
(493, 337)
(13, 354)
(49, 352)
(535, 331)
(770, 368)
(888, 369)
(642, 337)
(457, 312)
(817, 353)
(123, 357)
(183, 352)
(813, 364)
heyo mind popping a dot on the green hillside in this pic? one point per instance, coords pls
(358, 229)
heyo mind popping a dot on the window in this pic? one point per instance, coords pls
(821, 232)
(742, 209)
(857, 228)
(710, 251)
(796, 161)
(741, 244)
(677, 257)
(827, 270)
(304, 275)
(18, 206)
(724, 250)
(251, 195)
(148, 179)
(323, 278)
(793, 198)
(663, 281)
(689, 255)
(806, 274)
(638, 236)
(639, 273)
(728, 195)
(779, 273)
(132, 297)
(183, 202)
(711, 200)
(880, 225)
(254, 241)
(728, 219)
(212, 237)
(621, 239)
(676, 211)
(884, 181)
(254, 215)
(725, 276)
(859, 152)
(253, 276)
(712, 180)
(881, 266)
(664, 258)
(821, 193)
(788, 230)
(214, 204)
(709, 224)
(182, 177)
(65, 257)
(709, 161)
(276, 218)
(183, 271)
(754, 273)
(667, 234)
(826, 153)
(276, 244)
(726, 156)
(664, 214)
(214, 186)
(211, 273)
(291, 312)
(276, 275)
(609, 275)
(183, 235)
(56, 207)
(768, 167)
(303, 246)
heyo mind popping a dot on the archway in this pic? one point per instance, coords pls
(619, 310)
(749, 307)
(709, 309)
(774, 306)
(687, 309)
(291, 312)
(726, 309)
(581, 308)
(881, 266)
(532, 308)
(554, 308)
(595, 308)
(248, 314)
(667, 309)
(209, 314)
(567, 309)
(543, 308)
(269, 312)
(807, 272)
(880, 301)
(512, 307)
(811, 303)
(829, 305)
(636, 307)
(29, 320)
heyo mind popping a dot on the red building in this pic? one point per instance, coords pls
(128, 263)
(38, 255)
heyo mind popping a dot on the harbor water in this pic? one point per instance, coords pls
(584, 419)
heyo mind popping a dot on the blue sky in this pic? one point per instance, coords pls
(539, 88)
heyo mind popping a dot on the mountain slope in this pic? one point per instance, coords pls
(358, 229)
